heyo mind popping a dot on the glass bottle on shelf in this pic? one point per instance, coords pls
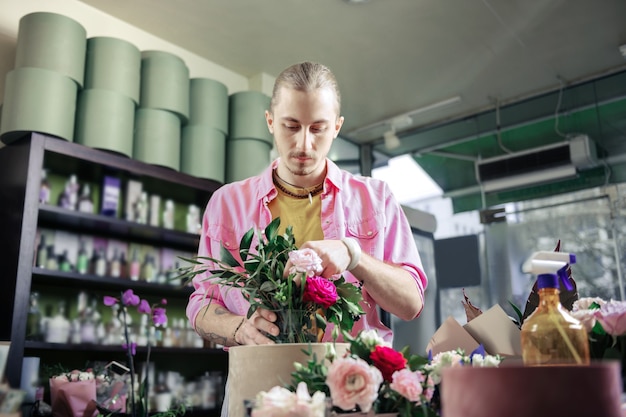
(113, 328)
(135, 267)
(82, 261)
(58, 327)
(148, 269)
(69, 197)
(33, 325)
(51, 259)
(44, 188)
(123, 266)
(42, 252)
(101, 263)
(115, 267)
(141, 209)
(64, 262)
(85, 204)
(163, 394)
(168, 214)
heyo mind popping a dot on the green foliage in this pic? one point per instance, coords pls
(264, 283)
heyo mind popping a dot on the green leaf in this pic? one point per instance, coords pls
(271, 231)
(227, 258)
(244, 245)
(518, 312)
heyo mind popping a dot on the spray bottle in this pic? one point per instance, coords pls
(550, 335)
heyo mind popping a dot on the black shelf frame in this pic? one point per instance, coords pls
(21, 214)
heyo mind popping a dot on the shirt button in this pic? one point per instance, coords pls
(369, 233)
(227, 244)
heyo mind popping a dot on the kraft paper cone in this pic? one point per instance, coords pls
(157, 138)
(247, 116)
(38, 100)
(54, 42)
(165, 83)
(256, 368)
(208, 104)
(203, 152)
(105, 120)
(246, 158)
(113, 64)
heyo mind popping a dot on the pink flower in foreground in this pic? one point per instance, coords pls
(305, 261)
(320, 291)
(586, 317)
(408, 384)
(612, 317)
(352, 382)
(429, 388)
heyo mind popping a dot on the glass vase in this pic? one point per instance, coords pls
(296, 326)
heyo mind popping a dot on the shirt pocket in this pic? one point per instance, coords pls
(226, 237)
(369, 234)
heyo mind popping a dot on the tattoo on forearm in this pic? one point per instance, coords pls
(219, 311)
(213, 337)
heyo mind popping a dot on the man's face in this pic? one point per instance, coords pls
(304, 125)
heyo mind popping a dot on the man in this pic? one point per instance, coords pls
(353, 223)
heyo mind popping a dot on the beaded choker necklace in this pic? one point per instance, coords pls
(305, 192)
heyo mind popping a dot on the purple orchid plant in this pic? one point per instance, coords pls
(159, 319)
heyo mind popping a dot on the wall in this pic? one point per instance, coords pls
(97, 23)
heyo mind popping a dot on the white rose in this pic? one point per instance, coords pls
(371, 339)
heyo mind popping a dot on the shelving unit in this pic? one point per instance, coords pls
(21, 215)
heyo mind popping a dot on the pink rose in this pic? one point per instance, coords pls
(305, 261)
(408, 384)
(612, 317)
(320, 291)
(352, 382)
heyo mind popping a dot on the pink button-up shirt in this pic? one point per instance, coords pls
(354, 206)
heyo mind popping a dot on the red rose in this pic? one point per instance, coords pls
(387, 360)
(320, 291)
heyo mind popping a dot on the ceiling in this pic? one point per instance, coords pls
(514, 64)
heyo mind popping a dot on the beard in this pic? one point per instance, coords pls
(302, 168)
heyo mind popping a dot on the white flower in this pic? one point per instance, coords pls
(443, 360)
(487, 361)
(585, 302)
(85, 376)
(371, 339)
(280, 402)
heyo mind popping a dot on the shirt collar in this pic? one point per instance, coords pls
(266, 184)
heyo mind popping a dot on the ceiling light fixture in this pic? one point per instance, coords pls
(391, 139)
(408, 115)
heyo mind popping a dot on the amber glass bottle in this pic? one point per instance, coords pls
(550, 335)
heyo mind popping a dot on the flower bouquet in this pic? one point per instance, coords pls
(373, 378)
(301, 300)
(73, 394)
(605, 322)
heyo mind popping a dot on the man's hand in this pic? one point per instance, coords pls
(254, 331)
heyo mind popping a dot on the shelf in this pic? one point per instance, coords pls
(93, 348)
(22, 217)
(43, 276)
(53, 216)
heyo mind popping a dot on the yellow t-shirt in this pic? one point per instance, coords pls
(302, 214)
